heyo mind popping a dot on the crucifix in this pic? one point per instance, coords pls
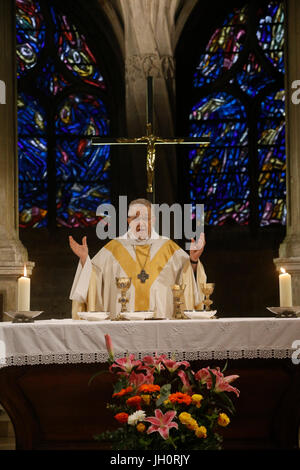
(150, 140)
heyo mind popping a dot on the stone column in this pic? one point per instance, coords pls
(13, 255)
(289, 251)
(149, 29)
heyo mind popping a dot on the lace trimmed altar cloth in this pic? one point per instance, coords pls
(81, 341)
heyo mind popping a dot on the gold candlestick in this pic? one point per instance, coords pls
(123, 283)
(178, 311)
(207, 290)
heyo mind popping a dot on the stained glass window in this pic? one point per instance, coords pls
(61, 104)
(240, 176)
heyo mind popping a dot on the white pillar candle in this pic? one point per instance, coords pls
(24, 292)
(285, 289)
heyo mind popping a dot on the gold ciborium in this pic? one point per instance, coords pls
(207, 290)
(178, 310)
(123, 283)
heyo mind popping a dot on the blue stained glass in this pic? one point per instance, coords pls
(84, 169)
(223, 212)
(33, 203)
(269, 131)
(252, 79)
(78, 160)
(32, 159)
(218, 106)
(273, 105)
(74, 52)
(221, 133)
(223, 49)
(272, 184)
(30, 31)
(31, 116)
(221, 118)
(212, 160)
(82, 114)
(222, 186)
(271, 157)
(272, 160)
(272, 211)
(218, 173)
(270, 33)
(77, 203)
(50, 81)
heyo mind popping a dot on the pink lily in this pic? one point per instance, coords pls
(151, 362)
(203, 375)
(186, 383)
(126, 364)
(162, 423)
(139, 379)
(173, 365)
(222, 384)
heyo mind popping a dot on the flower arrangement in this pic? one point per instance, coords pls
(163, 404)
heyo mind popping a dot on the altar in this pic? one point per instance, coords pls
(45, 368)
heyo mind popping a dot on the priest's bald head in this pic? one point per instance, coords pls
(141, 218)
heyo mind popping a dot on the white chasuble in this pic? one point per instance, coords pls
(153, 265)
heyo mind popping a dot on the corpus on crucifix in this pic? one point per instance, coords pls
(151, 141)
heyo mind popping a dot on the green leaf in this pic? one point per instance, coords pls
(164, 393)
(225, 366)
(213, 378)
(119, 385)
(228, 403)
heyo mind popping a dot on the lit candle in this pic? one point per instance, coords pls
(285, 289)
(24, 292)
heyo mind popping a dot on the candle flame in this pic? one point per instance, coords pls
(25, 271)
(283, 270)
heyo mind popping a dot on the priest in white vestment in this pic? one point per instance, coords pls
(154, 263)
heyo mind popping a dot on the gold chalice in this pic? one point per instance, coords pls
(123, 283)
(178, 311)
(207, 290)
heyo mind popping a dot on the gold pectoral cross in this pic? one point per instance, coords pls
(143, 276)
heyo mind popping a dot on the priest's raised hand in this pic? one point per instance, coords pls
(81, 251)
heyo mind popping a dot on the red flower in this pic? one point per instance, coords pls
(180, 398)
(149, 388)
(121, 417)
(123, 392)
(134, 402)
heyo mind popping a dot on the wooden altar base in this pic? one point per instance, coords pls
(52, 406)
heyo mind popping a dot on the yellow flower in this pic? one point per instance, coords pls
(192, 424)
(146, 399)
(196, 399)
(188, 421)
(201, 432)
(166, 402)
(141, 427)
(184, 417)
(223, 420)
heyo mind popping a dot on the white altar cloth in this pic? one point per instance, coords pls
(81, 341)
